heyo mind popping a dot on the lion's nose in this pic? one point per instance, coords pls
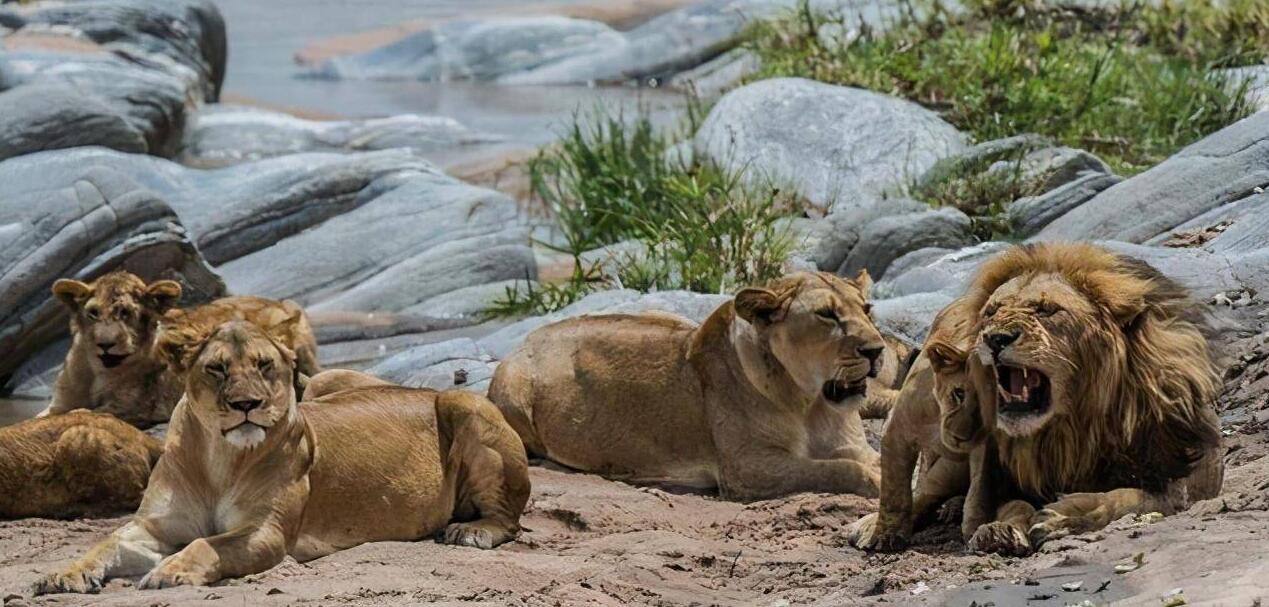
(1001, 340)
(873, 354)
(245, 405)
(106, 344)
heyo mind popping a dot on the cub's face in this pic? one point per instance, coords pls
(240, 380)
(961, 422)
(116, 315)
(818, 327)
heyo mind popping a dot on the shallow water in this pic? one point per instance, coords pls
(264, 37)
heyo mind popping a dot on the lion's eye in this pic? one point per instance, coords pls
(958, 395)
(264, 365)
(217, 370)
(990, 310)
(1047, 309)
(91, 313)
(827, 314)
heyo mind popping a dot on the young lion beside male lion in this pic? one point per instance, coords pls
(251, 476)
(760, 400)
(112, 368)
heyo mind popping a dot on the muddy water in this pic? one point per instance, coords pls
(265, 36)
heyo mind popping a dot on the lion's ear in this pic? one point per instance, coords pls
(755, 304)
(72, 292)
(863, 282)
(283, 332)
(162, 295)
(945, 358)
(179, 345)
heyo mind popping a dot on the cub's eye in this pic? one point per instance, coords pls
(827, 314)
(867, 308)
(264, 365)
(124, 314)
(958, 395)
(217, 370)
(92, 313)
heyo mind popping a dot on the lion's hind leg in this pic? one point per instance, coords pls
(103, 471)
(493, 475)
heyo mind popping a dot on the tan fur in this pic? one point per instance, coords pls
(338, 380)
(936, 421)
(735, 403)
(119, 309)
(361, 465)
(74, 464)
(1132, 391)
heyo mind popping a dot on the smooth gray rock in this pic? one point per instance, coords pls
(1030, 214)
(980, 155)
(1223, 168)
(948, 272)
(1053, 167)
(719, 74)
(81, 221)
(165, 35)
(830, 144)
(1231, 212)
(433, 365)
(692, 306)
(220, 135)
(1248, 231)
(886, 239)
(77, 100)
(826, 242)
(488, 50)
(910, 316)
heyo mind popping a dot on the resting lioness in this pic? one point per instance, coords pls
(251, 476)
(112, 368)
(73, 464)
(761, 400)
(937, 420)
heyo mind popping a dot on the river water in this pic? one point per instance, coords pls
(265, 35)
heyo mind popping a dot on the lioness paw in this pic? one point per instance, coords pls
(869, 533)
(1000, 538)
(167, 577)
(476, 534)
(69, 581)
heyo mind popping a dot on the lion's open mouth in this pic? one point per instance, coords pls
(111, 361)
(837, 390)
(1021, 391)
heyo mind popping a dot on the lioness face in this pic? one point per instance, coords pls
(819, 329)
(117, 314)
(240, 381)
(1036, 330)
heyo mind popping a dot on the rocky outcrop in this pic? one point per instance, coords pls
(82, 221)
(829, 143)
(220, 135)
(456, 363)
(1219, 170)
(1030, 214)
(886, 239)
(559, 50)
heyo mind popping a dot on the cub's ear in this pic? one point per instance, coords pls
(863, 282)
(72, 292)
(162, 295)
(178, 346)
(945, 358)
(755, 304)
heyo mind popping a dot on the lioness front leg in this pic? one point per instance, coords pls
(890, 528)
(495, 495)
(211, 559)
(773, 475)
(1078, 513)
(131, 550)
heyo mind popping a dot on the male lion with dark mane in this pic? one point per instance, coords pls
(250, 476)
(112, 368)
(762, 399)
(1103, 390)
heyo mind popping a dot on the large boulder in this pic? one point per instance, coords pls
(168, 35)
(1219, 170)
(1030, 214)
(886, 239)
(57, 100)
(220, 135)
(829, 143)
(377, 231)
(80, 221)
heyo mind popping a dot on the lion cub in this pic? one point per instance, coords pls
(251, 476)
(936, 419)
(73, 464)
(111, 366)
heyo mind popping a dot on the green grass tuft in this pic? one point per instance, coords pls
(1133, 84)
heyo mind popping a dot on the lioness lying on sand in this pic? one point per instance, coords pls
(73, 464)
(761, 400)
(112, 368)
(251, 476)
(937, 420)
